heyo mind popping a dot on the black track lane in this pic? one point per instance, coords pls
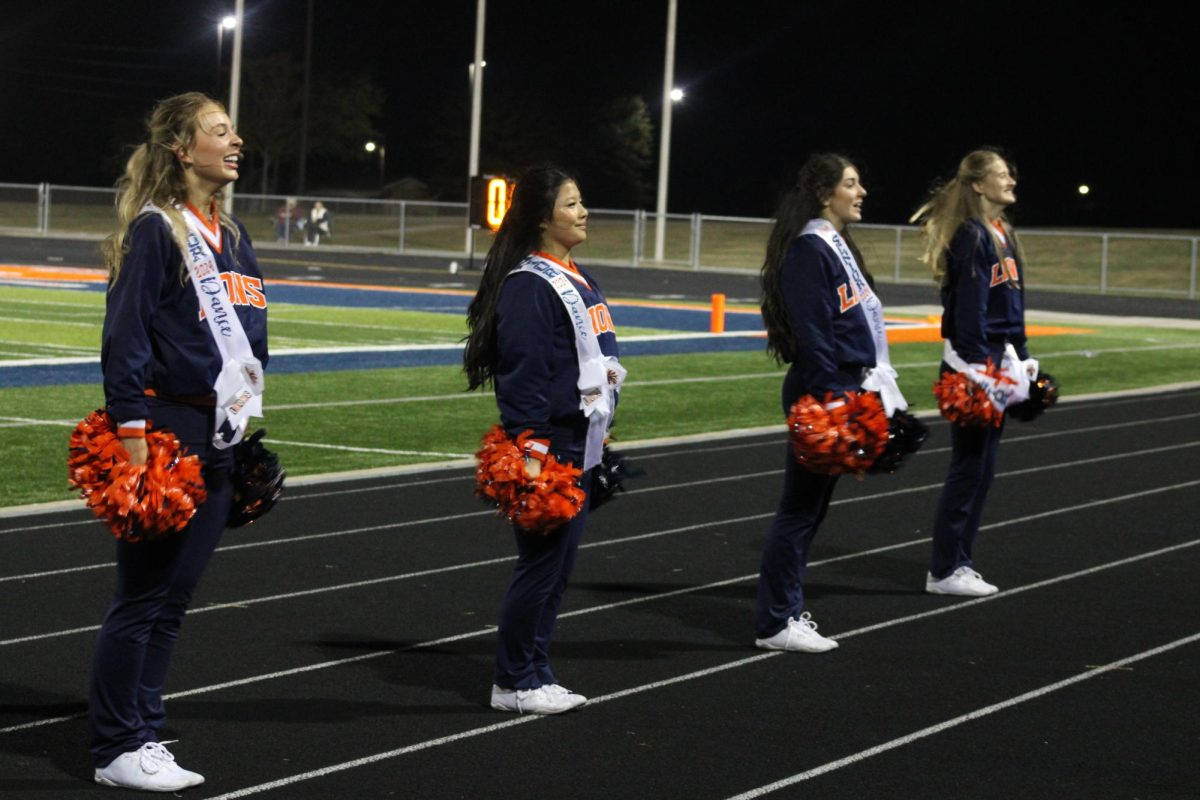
(709, 737)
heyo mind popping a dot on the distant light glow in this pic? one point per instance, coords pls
(1084, 188)
(676, 94)
(370, 147)
(229, 22)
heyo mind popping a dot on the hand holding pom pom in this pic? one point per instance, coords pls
(964, 402)
(906, 435)
(537, 504)
(841, 434)
(1043, 393)
(136, 501)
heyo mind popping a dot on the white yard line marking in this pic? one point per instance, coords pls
(32, 321)
(371, 449)
(29, 421)
(393, 348)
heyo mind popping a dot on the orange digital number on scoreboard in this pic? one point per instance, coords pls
(497, 202)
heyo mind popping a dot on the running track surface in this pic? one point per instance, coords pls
(341, 647)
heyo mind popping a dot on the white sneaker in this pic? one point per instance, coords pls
(963, 581)
(575, 699)
(534, 701)
(800, 636)
(150, 768)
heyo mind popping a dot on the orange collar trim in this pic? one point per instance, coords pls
(210, 228)
(569, 266)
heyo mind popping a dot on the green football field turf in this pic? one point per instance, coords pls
(334, 421)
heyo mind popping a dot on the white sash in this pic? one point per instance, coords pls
(239, 386)
(600, 376)
(1013, 384)
(882, 377)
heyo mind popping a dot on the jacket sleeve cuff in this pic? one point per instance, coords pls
(537, 449)
(132, 429)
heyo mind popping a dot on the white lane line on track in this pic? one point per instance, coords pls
(741, 662)
(667, 487)
(406, 524)
(978, 713)
(704, 587)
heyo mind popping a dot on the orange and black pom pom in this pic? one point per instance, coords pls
(538, 505)
(845, 438)
(964, 402)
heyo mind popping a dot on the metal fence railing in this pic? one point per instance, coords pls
(1084, 261)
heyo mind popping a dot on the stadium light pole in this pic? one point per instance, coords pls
(476, 115)
(227, 23)
(235, 82)
(664, 143)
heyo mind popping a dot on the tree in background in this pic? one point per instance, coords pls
(342, 110)
(620, 154)
(611, 146)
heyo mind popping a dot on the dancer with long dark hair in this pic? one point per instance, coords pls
(541, 333)
(825, 321)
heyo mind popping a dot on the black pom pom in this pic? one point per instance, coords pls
(257, 480)
(906, 435)
(608, 477)
(1043, 393)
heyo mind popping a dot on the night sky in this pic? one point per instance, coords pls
(1075, 93)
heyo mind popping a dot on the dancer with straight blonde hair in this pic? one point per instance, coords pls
(976, 260)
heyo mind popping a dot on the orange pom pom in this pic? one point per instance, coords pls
(964, 402)
(537, 505)
(136, 502)
(846, 437)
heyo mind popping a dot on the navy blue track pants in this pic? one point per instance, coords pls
(960, 507)
(530, 607)
(155, 581)
(802, 508)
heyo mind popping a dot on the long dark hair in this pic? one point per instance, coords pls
(519, 235)
(818, 179)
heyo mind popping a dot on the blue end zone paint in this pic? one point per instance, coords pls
(290, 364)
(317, 295)
(639, 316)
(635, 316)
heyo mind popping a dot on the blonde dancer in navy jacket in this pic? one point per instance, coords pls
(160, 362)
(522, 340)
(977, 261)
